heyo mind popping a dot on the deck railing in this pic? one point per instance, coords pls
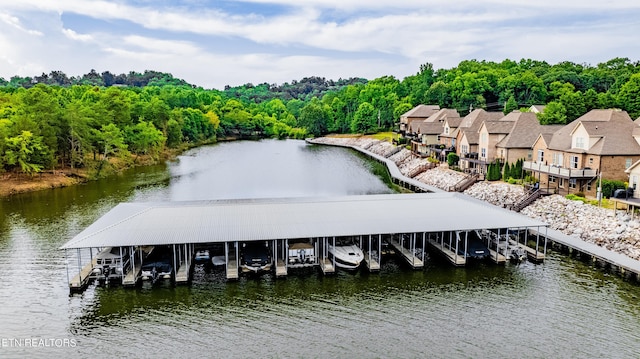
(560, 171)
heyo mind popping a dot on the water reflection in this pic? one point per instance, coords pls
(562, 308)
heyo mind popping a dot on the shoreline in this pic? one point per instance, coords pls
(613, 230)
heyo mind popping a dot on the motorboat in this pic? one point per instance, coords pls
(111, 264)
(302, 253)
(256, 257)
(347, 255)
(517, 254)
(475, 248)
(158, 265)
(202, 257)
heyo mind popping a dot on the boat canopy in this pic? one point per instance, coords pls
(218, 221)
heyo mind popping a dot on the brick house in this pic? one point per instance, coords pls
(600, 143)
(418, 113)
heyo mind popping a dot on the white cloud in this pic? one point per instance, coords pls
(15, 23)
(330, 38)
(75, 36)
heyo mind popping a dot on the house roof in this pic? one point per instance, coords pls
(429, 128)
(454, 123)
(633, 167)
(537, 108)
(442, 114)
(613, 128)
(422, 111)
(472, 122)
(161, 223)
(526, 129)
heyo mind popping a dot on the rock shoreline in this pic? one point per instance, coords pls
(615, 231)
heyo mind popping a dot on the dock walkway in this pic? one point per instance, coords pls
(132, 278)
(413, 260)
(182, 276)
(625, 264)
(372, 262)
(232, 269)
(456, 260)
(81, 280)
(281, 268)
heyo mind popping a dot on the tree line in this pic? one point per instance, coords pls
(56, 121)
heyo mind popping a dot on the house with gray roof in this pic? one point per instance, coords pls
(467, 136)
(426, 133)
(418, 113)
(601, 143)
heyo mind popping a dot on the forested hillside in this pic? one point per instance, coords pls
(55, 121)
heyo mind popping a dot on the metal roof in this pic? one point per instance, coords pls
(134, 224)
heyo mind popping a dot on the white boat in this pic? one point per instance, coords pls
(202, 257)
(302, 253)
(111, 264)
(347, 255)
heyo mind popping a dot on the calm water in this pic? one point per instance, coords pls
(561, 309)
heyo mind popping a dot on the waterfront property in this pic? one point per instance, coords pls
(406, 221)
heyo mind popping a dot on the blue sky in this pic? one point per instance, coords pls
(227, 42)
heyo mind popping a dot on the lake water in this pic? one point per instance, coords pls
(562, 308)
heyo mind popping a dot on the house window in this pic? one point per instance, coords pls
(552, 179)
(540, 156)
(574, 161)
(580, 142)
(572, 183)
(446, 130)
(627, 163)
(589, 186)
(529, 155)
(561, 183)
(464, 149)
(590, 160)
(483, 152)
(634, 181)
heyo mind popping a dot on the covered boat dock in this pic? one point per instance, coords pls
(406, 221)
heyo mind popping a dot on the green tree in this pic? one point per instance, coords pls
(26, 151)
(111, 140)
(554, 113)
(510, 106)
(315, 117)
(365, 119)
(144, 138)
(629, 96)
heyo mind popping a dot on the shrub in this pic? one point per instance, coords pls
(452, 159)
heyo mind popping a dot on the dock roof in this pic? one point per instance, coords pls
(136, 224)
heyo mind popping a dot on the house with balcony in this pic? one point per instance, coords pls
(418, 113)
(467, 136)
(426, 134)
(601, 143)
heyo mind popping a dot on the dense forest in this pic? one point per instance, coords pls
(54, 121)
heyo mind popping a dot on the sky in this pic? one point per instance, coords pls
(213, 43)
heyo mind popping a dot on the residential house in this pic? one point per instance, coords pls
(467, 135)
(601, 143)
(418, 113)
(426, 133)
(634, 178)
(518, 143)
